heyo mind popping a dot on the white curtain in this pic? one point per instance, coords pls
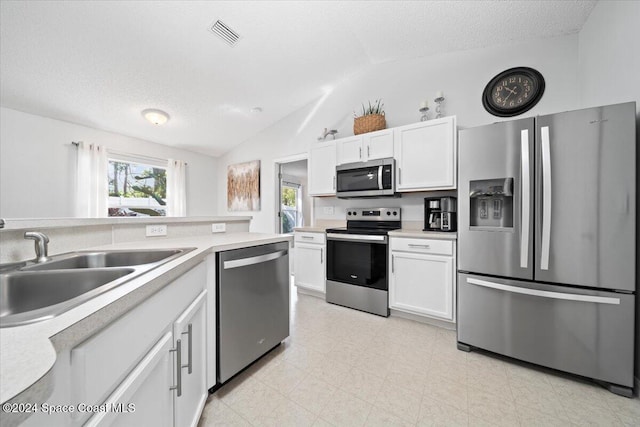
(92, 190)
(176, 188)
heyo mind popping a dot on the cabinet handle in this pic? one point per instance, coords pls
(178, 350)
(321, 255)
(399, 175)
(368, 152)
(393, 264)
(334, 182)
(413, 245)
(307, 237)
(189, 334)
(360, 153)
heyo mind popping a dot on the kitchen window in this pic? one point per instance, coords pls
(137, 187)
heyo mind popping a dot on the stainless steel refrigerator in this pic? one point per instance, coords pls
(547, 232)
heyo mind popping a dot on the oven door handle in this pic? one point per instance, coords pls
(357, 238)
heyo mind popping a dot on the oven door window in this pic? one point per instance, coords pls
(357, 263)
(363, 179)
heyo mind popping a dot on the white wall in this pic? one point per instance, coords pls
(37, 166)
(609, 55)
(403, 85)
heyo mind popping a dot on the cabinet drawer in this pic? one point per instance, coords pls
(306, 237)
(423, 246)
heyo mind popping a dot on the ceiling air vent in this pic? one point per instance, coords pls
(223, 31)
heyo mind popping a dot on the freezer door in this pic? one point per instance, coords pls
(586, 197)
(495, 199)
(589, 333)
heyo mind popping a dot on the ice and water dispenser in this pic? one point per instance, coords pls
(491, 202)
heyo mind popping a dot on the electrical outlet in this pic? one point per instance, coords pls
(328, 210)
(156, 230)
(219, 228)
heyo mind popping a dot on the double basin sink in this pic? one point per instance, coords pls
(31, 292)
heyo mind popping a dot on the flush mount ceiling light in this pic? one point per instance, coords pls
(157, 117)
(256, 110)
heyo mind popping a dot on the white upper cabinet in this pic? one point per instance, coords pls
(368, 146)
(378, 145)
(349, 150)
(425, 155)
(322, 169)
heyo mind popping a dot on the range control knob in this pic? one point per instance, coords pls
(395, 213)
(349, 213)
(388, 213)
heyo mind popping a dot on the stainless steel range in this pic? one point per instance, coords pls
(357, 270)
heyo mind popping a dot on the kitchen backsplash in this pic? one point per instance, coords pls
(14, 247)
(412, 205)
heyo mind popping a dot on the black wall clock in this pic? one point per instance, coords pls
(513, 92)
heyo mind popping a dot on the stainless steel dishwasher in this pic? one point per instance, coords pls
(252, 305)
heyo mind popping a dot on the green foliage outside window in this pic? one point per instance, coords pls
(137, 180)
(289, 196)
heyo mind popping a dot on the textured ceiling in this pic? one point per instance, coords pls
(99, 63)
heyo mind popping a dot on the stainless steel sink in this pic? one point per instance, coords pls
(102, 259)
(26, 294)
(34, 292)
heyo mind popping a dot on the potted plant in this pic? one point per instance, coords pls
(371, 119)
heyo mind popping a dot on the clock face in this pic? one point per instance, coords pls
(513, 92)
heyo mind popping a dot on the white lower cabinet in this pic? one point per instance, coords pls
(144, 398)
(168, 387)
(310, 262)
(190, 335)
(422, 278)
(126, 374)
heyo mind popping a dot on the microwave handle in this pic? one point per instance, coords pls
(380, 177)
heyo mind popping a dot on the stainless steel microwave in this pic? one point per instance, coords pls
(375, 178)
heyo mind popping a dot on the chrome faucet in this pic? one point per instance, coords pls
(41, 241)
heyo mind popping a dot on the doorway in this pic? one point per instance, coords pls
(294, 203)
(294, 207)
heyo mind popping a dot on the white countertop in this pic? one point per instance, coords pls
(311, 229)
(37, 223)
(419, 234)
(27, 353)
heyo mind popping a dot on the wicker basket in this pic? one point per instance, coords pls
(369, 123)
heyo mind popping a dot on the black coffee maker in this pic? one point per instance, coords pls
(440, 214)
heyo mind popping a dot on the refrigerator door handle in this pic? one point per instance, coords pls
(526, 197)
(546, 198)
(544, 294)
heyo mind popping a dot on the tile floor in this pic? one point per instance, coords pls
(342, 367)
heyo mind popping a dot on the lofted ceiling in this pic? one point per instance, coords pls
(100, 63)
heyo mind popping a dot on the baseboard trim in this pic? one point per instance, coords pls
(310, 292)
(422, 319)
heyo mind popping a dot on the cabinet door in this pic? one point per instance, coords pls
(422, 284)
(190, 329)
(310, 266)
(378, 145)
(425, 155)
(145, 397)
(322, 169)
(349, 150)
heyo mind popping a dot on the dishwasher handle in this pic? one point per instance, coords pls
(243, 262)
